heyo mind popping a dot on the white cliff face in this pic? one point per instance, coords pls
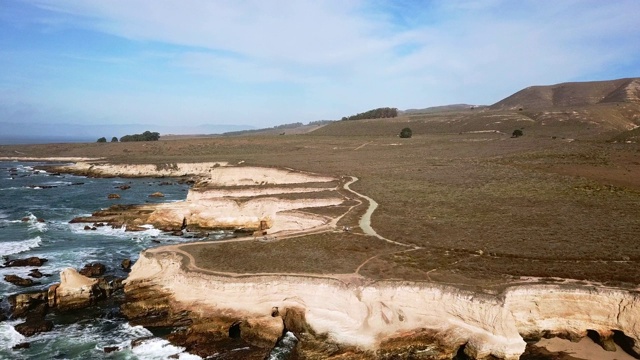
(366, 315)
(135, 170)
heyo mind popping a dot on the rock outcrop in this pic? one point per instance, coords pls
(380, 318)
(232, 198)
(93, 270)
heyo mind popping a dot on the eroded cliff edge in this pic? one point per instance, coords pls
(334, 316)
(375, 318)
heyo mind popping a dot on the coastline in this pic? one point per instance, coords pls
(482, 324)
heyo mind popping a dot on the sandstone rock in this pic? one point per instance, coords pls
(75, 290)
(157, 194)
(31, 261)
(22, 304)
(51, 295)
(17, 280)
(113, 196)
(87, 227)
(124, 187)
(93, 270)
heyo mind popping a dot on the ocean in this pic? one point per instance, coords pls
(27, 195)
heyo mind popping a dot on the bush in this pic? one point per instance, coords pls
(102, 139)
(406, 133)
(517, 133)
(114, 139)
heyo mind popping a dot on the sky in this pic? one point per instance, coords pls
(261, 63)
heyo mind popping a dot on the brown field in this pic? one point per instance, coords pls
(485, 208)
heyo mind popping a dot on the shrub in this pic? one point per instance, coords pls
(114, 139)
(517, 133)
(406, 133)
(102, 139)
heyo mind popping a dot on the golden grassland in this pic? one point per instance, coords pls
(484, 207)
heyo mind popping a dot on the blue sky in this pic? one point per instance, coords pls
(263, 63)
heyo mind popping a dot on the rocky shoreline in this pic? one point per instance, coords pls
(330, 317)
(376, 320)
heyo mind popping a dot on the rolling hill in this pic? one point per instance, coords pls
(573, 94)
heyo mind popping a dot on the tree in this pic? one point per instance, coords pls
(517, 133)
(102, 139)
(145, 136)
(114, 139)
(406, 133)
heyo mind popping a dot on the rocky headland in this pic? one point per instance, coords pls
(331, 316)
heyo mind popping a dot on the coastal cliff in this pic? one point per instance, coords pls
(374, 319)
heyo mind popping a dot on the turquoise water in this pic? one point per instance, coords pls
(27, 195)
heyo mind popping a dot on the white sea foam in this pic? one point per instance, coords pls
(9, 337)
(152, 348)
(35, 225)
(78, 228)
(16, 247)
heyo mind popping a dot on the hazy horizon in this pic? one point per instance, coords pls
(259, 64)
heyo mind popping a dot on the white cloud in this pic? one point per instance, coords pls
(349, 55)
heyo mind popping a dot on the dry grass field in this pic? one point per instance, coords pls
(484, 207)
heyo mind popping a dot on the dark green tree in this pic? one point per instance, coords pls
(517, 133)
(114, 139)
(102, 139)
(379, 113)
(406, 133)
(145, 136)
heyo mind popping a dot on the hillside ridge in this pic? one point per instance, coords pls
(573, 94)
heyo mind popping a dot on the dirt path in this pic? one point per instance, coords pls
(351, 278)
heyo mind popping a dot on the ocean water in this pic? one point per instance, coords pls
(27, 195)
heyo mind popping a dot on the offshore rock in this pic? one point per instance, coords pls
(78, 291)
(17, 280)
(34, 326)
(31, 261)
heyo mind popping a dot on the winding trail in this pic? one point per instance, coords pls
(365, 220)
(351, 278)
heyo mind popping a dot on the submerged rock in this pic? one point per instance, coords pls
(23, 345)
(31, 261)
(157, 194)
(34, 326)
(35, 273)
(17, 280)
(113, 196)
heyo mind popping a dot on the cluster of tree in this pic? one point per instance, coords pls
(378, 113)
(104, 139)
(145, 136)
(320, 122)
(289, 126)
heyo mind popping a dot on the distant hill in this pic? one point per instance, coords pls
(442, 108)
(573, 94)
